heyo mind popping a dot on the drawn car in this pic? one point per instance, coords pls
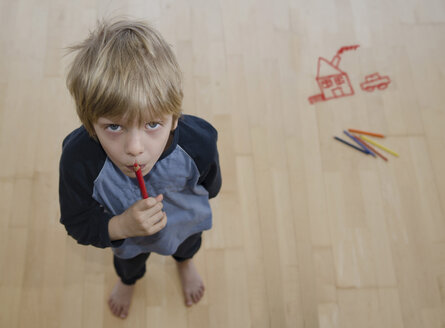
(373, 81)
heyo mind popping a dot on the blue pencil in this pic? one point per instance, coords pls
(365, 149)
(350, 145)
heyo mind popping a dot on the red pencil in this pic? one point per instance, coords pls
(141, 182)
(373, 149)
(378, 135)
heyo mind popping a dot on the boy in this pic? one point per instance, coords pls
(127, 88)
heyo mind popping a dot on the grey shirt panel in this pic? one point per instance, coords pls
(185, 202)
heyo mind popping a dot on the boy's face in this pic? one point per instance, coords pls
(127, 143)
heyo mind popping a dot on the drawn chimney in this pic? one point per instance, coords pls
(336, 61)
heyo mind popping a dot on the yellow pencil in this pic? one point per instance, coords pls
(380, 146)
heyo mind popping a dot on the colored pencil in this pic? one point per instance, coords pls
(373, 149)
(350, 145)
(392, 152)
(378, 135)
(367, 151)
(141, 182)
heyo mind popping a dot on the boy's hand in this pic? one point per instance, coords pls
(143, 218)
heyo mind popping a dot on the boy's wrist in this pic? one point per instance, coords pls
(114, 228)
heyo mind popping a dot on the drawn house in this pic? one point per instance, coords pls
(332, 81)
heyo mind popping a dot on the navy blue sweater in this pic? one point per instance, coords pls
(92, 189)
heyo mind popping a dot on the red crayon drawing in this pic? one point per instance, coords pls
(332, 81)
(373, 81)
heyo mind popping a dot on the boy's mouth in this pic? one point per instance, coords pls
(131, 167)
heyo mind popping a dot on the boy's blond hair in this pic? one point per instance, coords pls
(124, 70)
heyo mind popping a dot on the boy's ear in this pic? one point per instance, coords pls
(174, 124)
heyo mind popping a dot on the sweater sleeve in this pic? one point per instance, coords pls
(199, 138)
(211, 173)
(83, 217)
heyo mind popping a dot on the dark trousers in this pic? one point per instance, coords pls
(130, 270)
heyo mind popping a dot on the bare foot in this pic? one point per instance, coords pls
(120, 299)
(192, 284)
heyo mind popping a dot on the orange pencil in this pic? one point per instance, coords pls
(378, 135)
(373, 149)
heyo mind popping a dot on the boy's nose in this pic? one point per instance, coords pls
(134, 145)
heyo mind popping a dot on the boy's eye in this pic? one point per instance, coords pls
(114, 127)
(152, 125)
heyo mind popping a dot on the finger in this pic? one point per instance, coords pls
(159, 197)
(157, 208)
(159, 225)
(149, 222)
(154, 219)
(163, 218)
(145, 204)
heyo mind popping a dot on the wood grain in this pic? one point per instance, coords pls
(307, 232)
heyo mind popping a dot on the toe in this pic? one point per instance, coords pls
(124, 313)
(115, 310)
(196, 297)
(112, 307)
(188, 301)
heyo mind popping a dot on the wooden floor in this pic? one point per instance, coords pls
(307, 232)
